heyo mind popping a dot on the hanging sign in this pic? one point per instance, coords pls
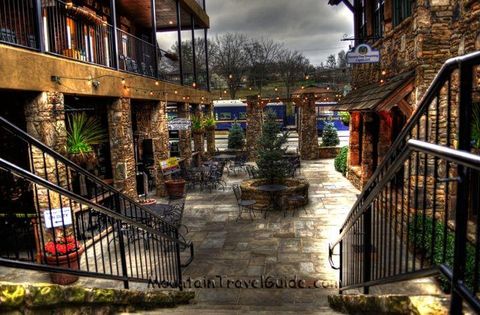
(179, 124)
(170, 166)
(57, 217)
(363, 53)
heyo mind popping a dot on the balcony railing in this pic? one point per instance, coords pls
(136, 55)
(17, 23)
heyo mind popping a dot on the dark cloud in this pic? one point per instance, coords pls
(309, 26)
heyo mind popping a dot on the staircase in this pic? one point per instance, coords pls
(418, 216)
(56, 206)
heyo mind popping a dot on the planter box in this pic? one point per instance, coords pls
(328, 152)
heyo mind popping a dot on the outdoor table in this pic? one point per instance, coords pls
(272, 189)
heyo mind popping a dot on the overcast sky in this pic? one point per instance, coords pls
(309, 26)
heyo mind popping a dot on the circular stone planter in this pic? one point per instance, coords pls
(296, 186)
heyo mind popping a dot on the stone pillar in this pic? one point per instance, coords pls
(152, 124)
(210, 133)
(45, 120)
(254, 125)
(121, 146)
(199, 136)
(355, 138)
(185, 136)
(307, 134)
(369, 145)
(384, 135)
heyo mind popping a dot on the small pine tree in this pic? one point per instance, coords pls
(236, 139)
(271, 164)
(330, 136)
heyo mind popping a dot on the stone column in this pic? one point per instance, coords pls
(254, 125)
(198, 136)
(210, 133)
(307, 134)
(152, 124)
(121, 146)
(384, 135)
(355, 138)
(185, 136)
(369, 145)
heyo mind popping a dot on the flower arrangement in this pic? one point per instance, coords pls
(62, 246)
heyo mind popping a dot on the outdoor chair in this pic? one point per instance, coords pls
(243, 205)
(215, 179)
(238, 164)
(252, 171)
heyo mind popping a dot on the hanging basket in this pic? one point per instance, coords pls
(175, 188)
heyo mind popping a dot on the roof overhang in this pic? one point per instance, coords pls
(380, 97)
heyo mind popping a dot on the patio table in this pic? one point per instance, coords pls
(272, 190)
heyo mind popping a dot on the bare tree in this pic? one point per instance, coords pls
(230, 60)
(262, 54)
(291, 68)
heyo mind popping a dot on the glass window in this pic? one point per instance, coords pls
(378, 18)
(242, 115)
(225, 116)
(401, 10)
(363, 21)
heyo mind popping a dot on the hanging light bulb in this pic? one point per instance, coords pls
(157, 83)
(123, 81)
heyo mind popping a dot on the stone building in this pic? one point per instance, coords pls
(414, 39)
(102, 58)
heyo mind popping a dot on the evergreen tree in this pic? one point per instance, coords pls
(270, 161)
(330, 136)
(236, 139)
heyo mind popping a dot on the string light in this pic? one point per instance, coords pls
(157, 83)
(123, 81)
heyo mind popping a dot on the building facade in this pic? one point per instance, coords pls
(109, 60)
(414, 39)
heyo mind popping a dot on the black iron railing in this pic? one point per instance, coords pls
(68, 32)
(18, 23)
(136, 55)
(123, 249)
(418, 214)
(55, 168)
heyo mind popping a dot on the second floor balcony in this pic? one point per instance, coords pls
(117, 34)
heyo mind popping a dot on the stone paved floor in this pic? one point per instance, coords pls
(281, 247)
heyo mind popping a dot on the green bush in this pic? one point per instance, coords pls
(341, 161)
(421, 231)
(330, 136)
(345, 118)
(236, 138)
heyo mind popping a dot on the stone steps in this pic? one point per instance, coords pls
(222, 309)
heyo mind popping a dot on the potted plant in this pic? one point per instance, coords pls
(64, 252)
(83, 133)
(209, 123)
(175, 188)
(197, 125)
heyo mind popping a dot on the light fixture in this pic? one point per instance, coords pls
(303, 87)
(95, 83)
(276, 89)
(157, 83)
(384, 72)
(123, 81)
(151, 93)
(176, 92)
(170, 22)
(230, 76)
(250, 88)
(225, 92)
(194, 85)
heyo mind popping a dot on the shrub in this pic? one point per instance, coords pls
(330, 136)
(345, 118)
(341, 161)
(421, 233)
(197, 124)
(236, 139)
(270, 161)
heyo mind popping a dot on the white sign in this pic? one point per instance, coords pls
(363, 53)
(179, 124)
(57, 217)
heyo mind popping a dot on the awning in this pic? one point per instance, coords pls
(377, 96)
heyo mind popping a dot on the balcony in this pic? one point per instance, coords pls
(91, 32)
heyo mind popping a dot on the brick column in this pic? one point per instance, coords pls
(369, 146)
(354, 139)
(210, 133)
(121, 146)
(384, 135)
(185, 136)
(254, 125)
(199, 136)
(307, 133)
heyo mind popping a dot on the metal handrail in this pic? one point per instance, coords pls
(19, 133)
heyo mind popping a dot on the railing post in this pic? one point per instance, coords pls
(464, 135)
(367, 251)
(121, 243)
(179, 31)
(115, 33)
(340, 269)
(39, 25)
(179, 263)
(154, 37)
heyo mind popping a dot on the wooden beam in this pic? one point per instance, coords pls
(349, 5)
(397, 96)
(405, 107)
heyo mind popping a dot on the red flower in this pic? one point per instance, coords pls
(62, 246)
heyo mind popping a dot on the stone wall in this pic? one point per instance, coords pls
(307, 134)
(328, 152)
(254, 125)
(369, 145)
(121, 146)
(210, 133)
